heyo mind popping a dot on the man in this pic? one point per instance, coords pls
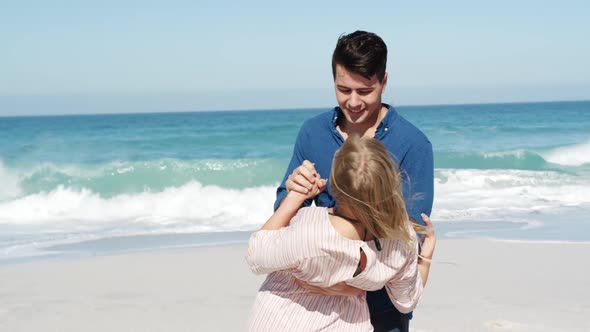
(360, 77)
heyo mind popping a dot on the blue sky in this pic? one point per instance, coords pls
(62, 57)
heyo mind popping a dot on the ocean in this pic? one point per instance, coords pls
(81, 185)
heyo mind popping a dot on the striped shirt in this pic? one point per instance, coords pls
(310, 249)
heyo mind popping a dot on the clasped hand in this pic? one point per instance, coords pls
(306, 181)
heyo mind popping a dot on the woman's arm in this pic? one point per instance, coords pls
(425, 256)
(275, 246)
(406, 287)
(290, 205)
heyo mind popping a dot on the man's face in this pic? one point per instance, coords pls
(358, 97)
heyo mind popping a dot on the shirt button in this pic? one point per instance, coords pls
(386, 129)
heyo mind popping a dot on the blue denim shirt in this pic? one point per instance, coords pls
(318, 140)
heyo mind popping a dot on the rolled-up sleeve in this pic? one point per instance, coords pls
(405, 288)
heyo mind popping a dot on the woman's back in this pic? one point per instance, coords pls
(312, 250)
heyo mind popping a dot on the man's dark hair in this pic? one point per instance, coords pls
(362, 53)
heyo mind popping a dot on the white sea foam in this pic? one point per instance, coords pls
(9, 183)
(191, 207)
(460, 194)
(475, 195)
(573, 155)
(66, 214)
(520, 154)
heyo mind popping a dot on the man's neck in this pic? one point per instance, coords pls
(366, 129)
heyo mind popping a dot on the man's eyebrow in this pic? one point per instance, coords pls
(360, 89)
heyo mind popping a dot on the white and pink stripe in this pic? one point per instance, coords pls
(310, 249)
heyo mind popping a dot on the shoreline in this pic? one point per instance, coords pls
(499, 231)
(475, 285)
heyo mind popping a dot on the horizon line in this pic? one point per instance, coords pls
(295, 108)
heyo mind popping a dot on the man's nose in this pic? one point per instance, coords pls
(355, 100)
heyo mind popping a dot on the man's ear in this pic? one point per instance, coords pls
(384, 82)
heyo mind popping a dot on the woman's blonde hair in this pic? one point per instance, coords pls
(365, 179)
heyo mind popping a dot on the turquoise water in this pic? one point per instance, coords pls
(67, 179)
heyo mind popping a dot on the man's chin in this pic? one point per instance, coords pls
(356, 117)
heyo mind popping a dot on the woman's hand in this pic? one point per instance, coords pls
(429, 242)
(305, 180)
(317, 187)
(425, 256)
(302, 178)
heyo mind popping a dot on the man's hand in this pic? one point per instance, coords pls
(340, 289)
(303, 179)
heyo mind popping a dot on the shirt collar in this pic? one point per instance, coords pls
(382, 129)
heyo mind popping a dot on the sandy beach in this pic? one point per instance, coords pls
(475, 285)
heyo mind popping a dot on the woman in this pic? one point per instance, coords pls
(367, 241)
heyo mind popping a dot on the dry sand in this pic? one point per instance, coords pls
(473, 286)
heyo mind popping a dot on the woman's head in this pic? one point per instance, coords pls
(365, 179)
